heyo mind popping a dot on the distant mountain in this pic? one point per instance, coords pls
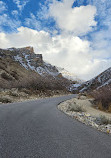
(20, 66)
(69, 75)
(102, 80)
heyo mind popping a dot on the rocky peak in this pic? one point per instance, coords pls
(31, 61)
(22, 54)
(31, 49)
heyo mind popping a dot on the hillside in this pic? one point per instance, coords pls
(23, 69)
(69, 75)
(98, 88)
(29, 60)
(102, 80)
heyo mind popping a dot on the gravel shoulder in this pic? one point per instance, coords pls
(84, 110)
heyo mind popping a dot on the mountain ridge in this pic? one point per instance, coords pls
(26, 61)
(103, 79)
(29, 60)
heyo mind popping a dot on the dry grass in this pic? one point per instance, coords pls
(13, 75)
(5, 99)
(76, 108)
(15, 95)
(17, 83)
(105, 120)
(103, 98)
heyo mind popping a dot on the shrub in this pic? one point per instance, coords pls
(76, 108)
(104, 120)
(102, 97)
(5, 100)
(6, 76)
(14, 94)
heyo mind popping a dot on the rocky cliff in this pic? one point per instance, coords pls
(29, 60)
(21, 67)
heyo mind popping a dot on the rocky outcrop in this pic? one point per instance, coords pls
(31, 49)
(21, 67)
(29, 60)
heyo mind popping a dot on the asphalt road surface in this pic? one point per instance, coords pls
(37, 129)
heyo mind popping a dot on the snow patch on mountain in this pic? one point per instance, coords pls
(97, 82)
(32, 61)
(69, 75)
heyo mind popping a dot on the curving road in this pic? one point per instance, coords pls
(37, 129)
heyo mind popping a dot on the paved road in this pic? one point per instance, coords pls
(37, 129)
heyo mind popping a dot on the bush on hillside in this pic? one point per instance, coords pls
(103, 97)
(36, 83)
(6, 76)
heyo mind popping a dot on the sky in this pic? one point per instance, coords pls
(72, 34)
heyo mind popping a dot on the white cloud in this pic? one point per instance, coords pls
(15, 13)
(2, 6)
(21, 3)
(69, 52)
(78, 20)
(33, 22)
(103, 7)
(4, 42)
(101, 39)
(6, 21)
(85, 59)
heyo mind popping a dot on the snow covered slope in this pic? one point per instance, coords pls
(22, 67)
(69, 75)
(30, 61)
(99, 81)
